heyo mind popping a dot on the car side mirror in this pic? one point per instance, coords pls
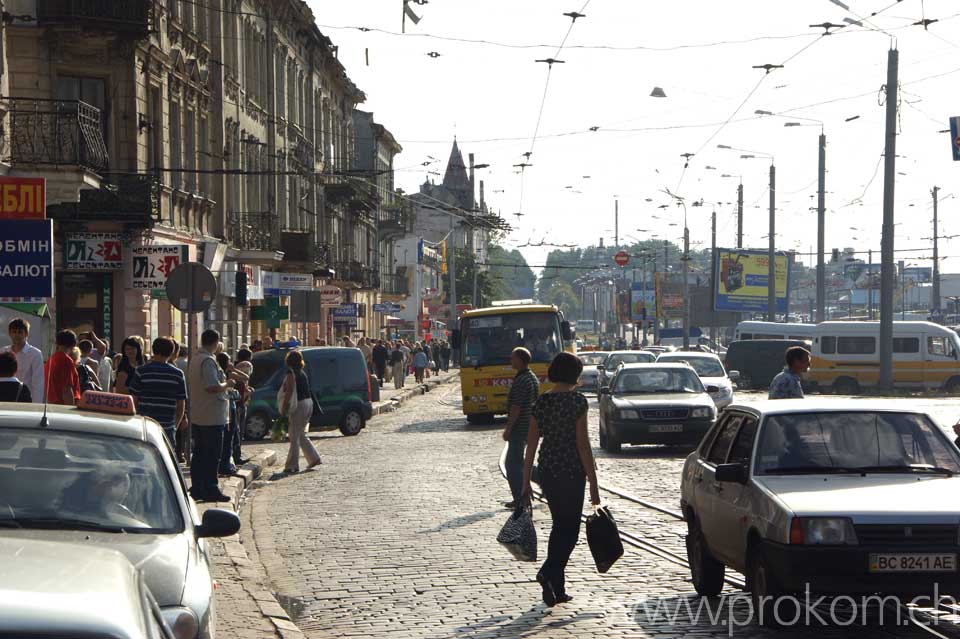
(565, 330)
(604, 390)
(601, 367)
(734, 376)
(713, 389)
(217, 522)
(731, 473)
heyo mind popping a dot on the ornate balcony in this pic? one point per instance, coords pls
(252, 231)
(395, 284)
(395, 223)
(54, 133)
(132, 198)
(133, 17)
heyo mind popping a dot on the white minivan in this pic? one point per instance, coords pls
(846, 356)
(773, 330)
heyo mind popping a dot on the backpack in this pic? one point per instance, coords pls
(88, 381)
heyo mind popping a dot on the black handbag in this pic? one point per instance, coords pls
(603, 538)
(519, 535)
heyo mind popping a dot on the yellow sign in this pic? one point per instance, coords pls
(742, 278)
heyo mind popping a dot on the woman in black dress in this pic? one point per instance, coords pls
(565, 466)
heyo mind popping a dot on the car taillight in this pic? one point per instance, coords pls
(369, 391)
(796, 531)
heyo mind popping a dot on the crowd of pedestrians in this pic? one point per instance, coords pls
(394, 360)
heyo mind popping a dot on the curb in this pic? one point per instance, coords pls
(390, 405)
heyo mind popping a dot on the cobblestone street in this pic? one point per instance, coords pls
(394, 534)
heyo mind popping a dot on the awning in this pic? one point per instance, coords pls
(38, 309)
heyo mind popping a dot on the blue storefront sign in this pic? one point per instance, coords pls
(386, 307)
(345, 310)
(26, 258)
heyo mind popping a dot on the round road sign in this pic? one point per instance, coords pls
(191, 287)
(622, 258)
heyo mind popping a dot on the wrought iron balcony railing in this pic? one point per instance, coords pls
(129, 16)
(252, 231)
(350, 272)
(132, 198)
(55, 132)
(394, 284)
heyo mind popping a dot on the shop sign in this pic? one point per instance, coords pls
(330, 295)
(94, 251)
(345, 310)
(152, 265)
(387, 307)
(22, 198)
(281, 284)
(108, 306)
(26, 258)
(346, 321)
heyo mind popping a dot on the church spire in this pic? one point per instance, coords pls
(456, 179)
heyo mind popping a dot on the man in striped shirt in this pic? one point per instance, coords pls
(160, 389)
(523, 394)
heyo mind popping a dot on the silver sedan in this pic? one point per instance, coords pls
(110, 481)
(831, 496)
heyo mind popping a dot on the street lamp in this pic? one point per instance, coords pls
(771, 234)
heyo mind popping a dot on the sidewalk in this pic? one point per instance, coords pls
(391, 398)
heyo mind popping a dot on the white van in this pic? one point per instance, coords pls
(846, 356)
(773, 330)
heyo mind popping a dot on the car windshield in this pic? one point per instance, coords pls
(74, 481)
(638, 357)
(853, 442)
(705, 366)
(592, 359)
(677, 380)
(489, 339)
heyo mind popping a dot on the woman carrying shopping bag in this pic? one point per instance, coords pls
(565, 466)
(297, 403)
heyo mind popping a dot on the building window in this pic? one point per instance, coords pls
(188, 8)
(190, 151)
(154, 156)
(176, 147)
(204, 154)
(174, 7)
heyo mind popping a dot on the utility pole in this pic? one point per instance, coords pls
(936, 252)
(686, 288)
(887, 266)
(713, 277)
(740, 216)
(870, 281)
(821, 232)
(772, 252)
(452, 266)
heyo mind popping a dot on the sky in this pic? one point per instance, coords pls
(701, 53)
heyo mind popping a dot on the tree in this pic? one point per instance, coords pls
(562, 295)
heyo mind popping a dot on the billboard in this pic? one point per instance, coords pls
(152, 264)
(22, 198)
(642, 301)
(742, 281)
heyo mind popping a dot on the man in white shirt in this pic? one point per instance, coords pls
(29, 359)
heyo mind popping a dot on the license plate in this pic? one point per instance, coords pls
(666, 428)
(913, 562)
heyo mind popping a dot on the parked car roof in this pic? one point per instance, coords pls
(69, 590)
(19, 415)
(816, 404)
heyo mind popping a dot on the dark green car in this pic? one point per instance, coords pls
(339, 382)
(758, 360)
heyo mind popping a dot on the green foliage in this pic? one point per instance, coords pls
(562, 295)
(514, 281)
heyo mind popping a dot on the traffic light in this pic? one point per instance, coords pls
(241, 288)
(835, 256)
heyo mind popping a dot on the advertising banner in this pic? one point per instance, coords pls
(919, 274)
(26, 258)
(22, 198)
(742, 278)
(387, 307)
(281, 284)
(345, 310)
(642, 302)
(669, 297)
(93, 251)
(152, 265)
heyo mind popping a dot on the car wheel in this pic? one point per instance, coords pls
(603, 437)
(611, 443)
(953, 386)
(707, 572)
(258, 426)
(480, 419)
(352, 423)
(846, 386)
(764, 590)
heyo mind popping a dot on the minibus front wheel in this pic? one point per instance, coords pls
(846, 386)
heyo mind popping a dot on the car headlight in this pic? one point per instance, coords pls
(702, 411)
(182, 621)
(822, 531)
(726, 391)
(629, 414)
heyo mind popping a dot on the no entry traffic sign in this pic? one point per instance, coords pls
(622, 258)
